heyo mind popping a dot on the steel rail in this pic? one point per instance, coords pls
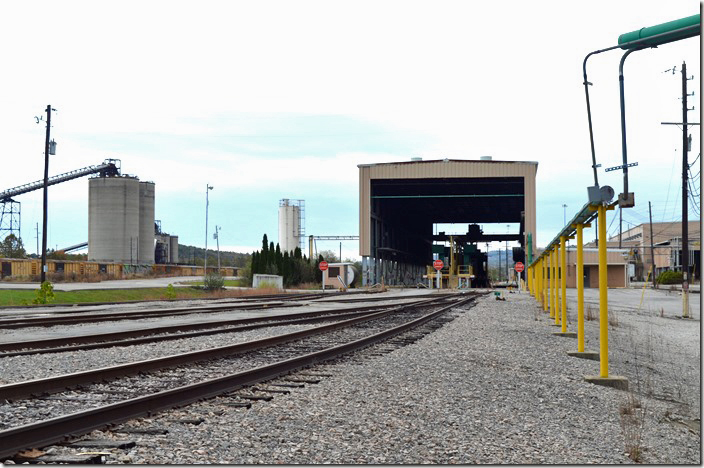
(25, 389)
(135, 337)
(377, 299)
(57, 429)
(99, 337)
(133, 315)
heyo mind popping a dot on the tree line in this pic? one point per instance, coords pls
(294, 267)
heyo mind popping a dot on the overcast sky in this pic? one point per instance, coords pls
(270, 100)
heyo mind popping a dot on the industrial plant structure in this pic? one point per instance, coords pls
(121, 225)
(399, 204)
(120, 220)
(291, 224)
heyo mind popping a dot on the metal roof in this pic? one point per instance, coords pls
(422, 161)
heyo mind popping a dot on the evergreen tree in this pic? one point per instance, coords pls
(264, 259)
(255, 262)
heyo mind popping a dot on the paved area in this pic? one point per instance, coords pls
(647, 301)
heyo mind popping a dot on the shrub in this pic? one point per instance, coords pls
(670, 277)
(213, 282)
(170, 292)
(45, 293)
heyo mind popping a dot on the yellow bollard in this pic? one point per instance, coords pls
(557, 284)
(580, 289)
(544, 266)
(563, 276)
(552, 284)
(603, 297)
(604, 378)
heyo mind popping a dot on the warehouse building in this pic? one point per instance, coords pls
(399, 204)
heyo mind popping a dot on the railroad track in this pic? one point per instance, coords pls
(183, 379)
(154, 333)
(71, 317)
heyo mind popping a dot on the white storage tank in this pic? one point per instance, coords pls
(146, 222)
(113, 219)
(289, 225)
(173, 251)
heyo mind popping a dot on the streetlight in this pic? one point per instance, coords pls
(208, 187)
(49, 148)
(564, 215)
(217, 239)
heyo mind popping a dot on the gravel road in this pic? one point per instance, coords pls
(493, 386)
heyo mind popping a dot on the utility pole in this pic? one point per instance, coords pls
(217, 240)
(685, 198)
(46, 185)
(208, 188)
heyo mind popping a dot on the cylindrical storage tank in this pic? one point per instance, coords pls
(146, 222)
(173, 251)
(289, 226)
(113, 219)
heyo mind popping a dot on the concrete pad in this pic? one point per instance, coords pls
(566, 334)
(613, 381)
(592, 355)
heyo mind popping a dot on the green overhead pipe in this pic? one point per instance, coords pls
(677, 29)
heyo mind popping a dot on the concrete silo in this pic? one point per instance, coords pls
(146, 222)
(173, 251)
(291, 224)
(114, 219)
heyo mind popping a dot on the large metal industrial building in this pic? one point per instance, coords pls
(399, 204)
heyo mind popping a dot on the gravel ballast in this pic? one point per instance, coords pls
(493, 386)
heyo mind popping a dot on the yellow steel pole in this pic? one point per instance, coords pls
(541, 284)
(580, 289)
(556, 304)
(551, 287)
(556, 312)
(563, 276)
(536, 282)
(539, 277)
(603, 297)
(544, 267)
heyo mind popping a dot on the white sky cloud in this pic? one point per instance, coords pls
(269, 100)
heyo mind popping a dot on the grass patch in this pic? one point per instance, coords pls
(21, 297)
(15, 297)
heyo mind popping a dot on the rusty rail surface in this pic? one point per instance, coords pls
(101, 340)
(19, 390)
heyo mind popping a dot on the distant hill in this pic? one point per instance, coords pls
(190, 255)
